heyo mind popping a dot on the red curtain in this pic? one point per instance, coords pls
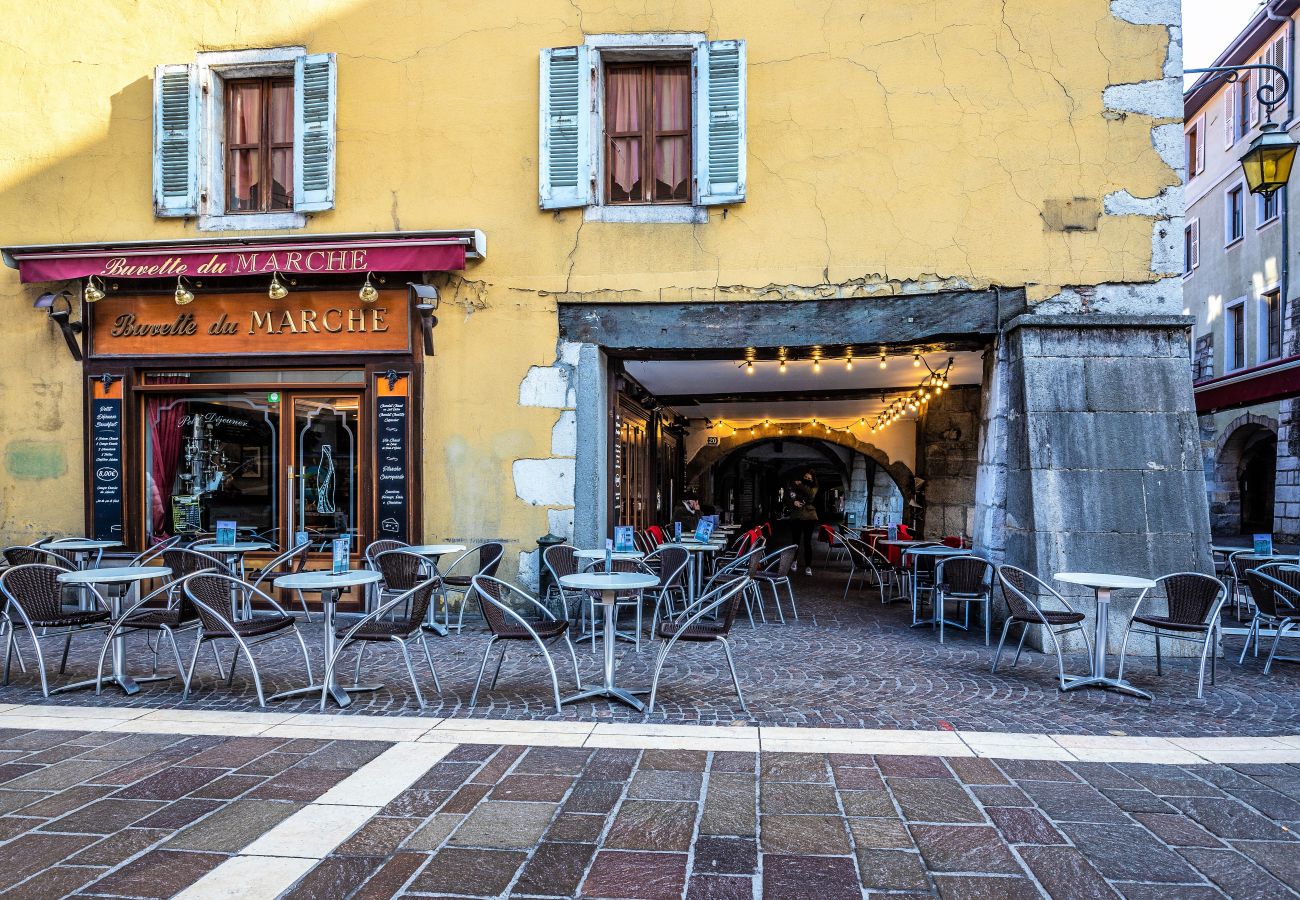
(164, 416)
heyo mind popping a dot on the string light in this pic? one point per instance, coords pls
(848, 360)
(749, 367)
(882, 359)
(916, 360)
(817, 366)
(781, 368)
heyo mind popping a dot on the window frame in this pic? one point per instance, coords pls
(1231, 362)
(649, 135)
(1261, 208)
(641, 47)
(215, 69)
(1237, 188)
(1194, 148)
(265, 146)
(1191, 247)
(1263, 350)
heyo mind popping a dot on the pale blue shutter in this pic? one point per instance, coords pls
(314, 101)
(720, 122)
(176, 140)
(564, 151)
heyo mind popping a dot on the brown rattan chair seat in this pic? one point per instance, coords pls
(69, 619)
(458, 580)
(156, 618)
(545, 630)
(380, 631)
(1053, 617)
(698, 631)
(255, 627)
(1170, 624)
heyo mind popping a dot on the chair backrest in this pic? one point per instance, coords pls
(494, 601)
(561, 559)
(730, 592)
(964, 574)
(290, 562)
(419, 598)
(1191, 596)
(656, 534)
(1016, 585)
(374, 548)
(36, 589)
(672, 565)
(1274, 590)
(489, 557)
(643, 543)
(780, 562)
(157, 550)
(208, 595)
(401, 568)
(185, 563)
(28, 556)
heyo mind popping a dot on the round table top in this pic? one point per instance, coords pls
(599, 581)
(694, 545)
(434, 549)
(112, 574)
(326, 581)
(936, 551)
(236, 547)
(617, 554)
(902, 543)
(1099, 580)
(79, 544)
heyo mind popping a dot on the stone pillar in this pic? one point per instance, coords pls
(591, 485)
(1286, 496)
(947, 456)
(1104, 471)
(855, 501)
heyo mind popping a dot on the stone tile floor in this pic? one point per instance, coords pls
(844, 663)
(148, 816)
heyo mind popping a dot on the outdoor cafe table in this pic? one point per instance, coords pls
(609, 586)
(434, 553)
(233, 554)
(938, 553)
(695, 571)
(117, 582)
(80, 548)
(1102, 586)
(614, 554)
(328, 585)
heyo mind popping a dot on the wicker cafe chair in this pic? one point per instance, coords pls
(29, 556)
(744, 565)
(964, 580)
(774, 571)
(401, 569)
(1276, 592)
(1192, 607)
(373, 628)
(860, 561)
(495, 599)
(560, 560)
(34, 600)
(488, 558)
(1016, 585)
(373, 549)
(670, 563)
(146, 557)
(693, 627)
(210, 593)
(290, 562)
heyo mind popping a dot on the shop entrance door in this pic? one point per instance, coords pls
(323, 467)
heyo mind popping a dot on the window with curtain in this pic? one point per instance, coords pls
(259, 145)
(648, 132)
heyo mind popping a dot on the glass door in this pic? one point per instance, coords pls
(323, 468)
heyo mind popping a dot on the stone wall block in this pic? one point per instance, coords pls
(1088, 500)
(1125, 384)
(1104, 440)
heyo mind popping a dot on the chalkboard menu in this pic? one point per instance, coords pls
(391, 465)
(106, 461)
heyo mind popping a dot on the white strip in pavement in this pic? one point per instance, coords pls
(272, 863)
(439, 735)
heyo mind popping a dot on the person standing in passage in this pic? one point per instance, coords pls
(803, 515)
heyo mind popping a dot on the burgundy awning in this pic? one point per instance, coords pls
(226, 257)
(1276, 380)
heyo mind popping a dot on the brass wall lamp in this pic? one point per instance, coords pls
(425, 298)
(58, 306)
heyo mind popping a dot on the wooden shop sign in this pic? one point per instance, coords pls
(251, 323)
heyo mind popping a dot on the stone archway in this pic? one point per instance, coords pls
(1233, 448)
(711, 454)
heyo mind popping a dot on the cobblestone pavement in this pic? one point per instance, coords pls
(844, 663)
(146, 816)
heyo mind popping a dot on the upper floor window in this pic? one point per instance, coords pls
(1237, 99)
(1195, 143)
(245, 139)
(1234, 205)
(1191, 246)
(259, 144)
(1236, 342)
(643, 127)
(1267, 208)
(1271, 320)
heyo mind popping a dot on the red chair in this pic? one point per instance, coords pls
(904, 533)
(957, 542)
(656, 534)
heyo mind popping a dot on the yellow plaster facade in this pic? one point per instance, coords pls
(893, 146)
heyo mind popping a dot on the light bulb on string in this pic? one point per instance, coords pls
(848, 361)
(817, 366)
(781, 368)
(916, 360)
(749, 367)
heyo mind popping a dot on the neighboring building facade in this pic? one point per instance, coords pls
(1236, 284)
(716, 180)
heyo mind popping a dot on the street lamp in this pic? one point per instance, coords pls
(1267, 161)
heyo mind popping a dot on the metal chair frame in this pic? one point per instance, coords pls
(1036, 608)
(1207, 642)
(476, 588)
(774, 571)
(484, 568)
(1281, 623)
(670, 583)
(242, 645)
(748, 561)
(296, 555)
(402, 641)
(859, 561)
(985, 597)
(708, 604)
(123, 627)
(12, 603)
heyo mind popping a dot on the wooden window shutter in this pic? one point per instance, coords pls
(1196, 242)
(1200, 146)
(176, 140)
(720, 122)
(315, 96)
(564, 170)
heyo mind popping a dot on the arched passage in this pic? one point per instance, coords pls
(1244, 477)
